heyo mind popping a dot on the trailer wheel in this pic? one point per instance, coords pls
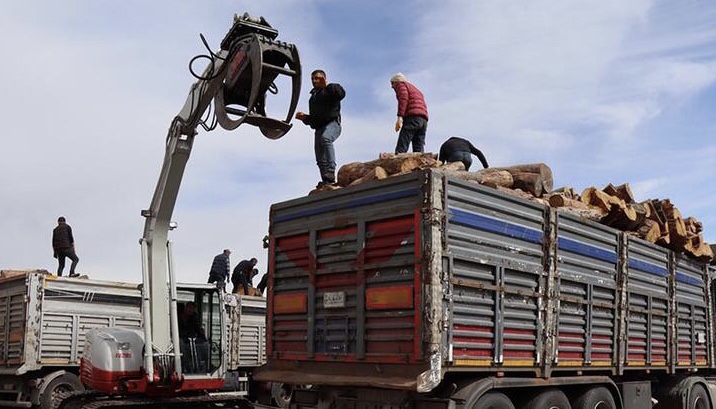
(595, 398)
(698, 398)
(549, 399)
(64, 383)
(494, 400)
(281, 394)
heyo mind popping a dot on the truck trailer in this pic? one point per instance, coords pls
(425, 291)
(44, 319)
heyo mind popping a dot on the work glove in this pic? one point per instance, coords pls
(398, 123)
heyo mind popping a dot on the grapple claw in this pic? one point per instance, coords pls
(257, 60)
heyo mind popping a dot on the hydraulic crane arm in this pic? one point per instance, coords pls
(236, 81)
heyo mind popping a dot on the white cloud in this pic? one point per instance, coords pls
(88, 98)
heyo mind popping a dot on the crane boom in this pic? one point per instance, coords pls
(248, 37)
(129, 368)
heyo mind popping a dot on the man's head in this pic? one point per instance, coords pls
(254, 261)
(397, 77)
(190, 308)
(254, 272)
(60, 220)
(227, 252)
(318, 79)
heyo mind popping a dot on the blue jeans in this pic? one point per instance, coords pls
(325, 154)
(413, 130)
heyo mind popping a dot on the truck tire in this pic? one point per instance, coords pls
(549, 399)
(67, 382)
(595, 398)
(698, 398)
(281, 394)
(494, 400)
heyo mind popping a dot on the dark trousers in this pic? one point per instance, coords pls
(413, 131)
(220, 281)
(69, 253)
(461, 156)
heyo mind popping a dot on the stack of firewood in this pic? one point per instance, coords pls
(657, 221)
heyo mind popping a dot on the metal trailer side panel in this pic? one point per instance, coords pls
(647, 306)
(247, 332)
(61, 310)
(691, 331)
(13, 322)
(495, 260)
(587, 270)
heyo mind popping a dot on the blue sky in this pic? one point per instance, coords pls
(603, 91)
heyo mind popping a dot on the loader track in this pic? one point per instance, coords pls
(95, 400)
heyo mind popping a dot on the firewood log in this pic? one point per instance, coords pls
(515, 192)
(488, 177)
(649, 231)
(595, 197)
(530, 182)
(377, 173)
(567, 192)
(393, 164)
(560, 200)
(452, 167)
(622, 192)
(675, 224)
(544, 172)
(351, 171)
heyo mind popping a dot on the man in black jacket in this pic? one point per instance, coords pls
(241, 278)
(460, 150)
(324, 116)
(63, 245)
(220, 269)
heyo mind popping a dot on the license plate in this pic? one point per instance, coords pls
(335, 299)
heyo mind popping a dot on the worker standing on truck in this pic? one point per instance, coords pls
(220, 269)
(63, 246)
(412, 119)
(458, 149)
(262, 284)
(241, 278)
(324, 115)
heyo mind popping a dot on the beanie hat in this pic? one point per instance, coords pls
(398, 77)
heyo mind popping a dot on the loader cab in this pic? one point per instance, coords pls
(201, 318)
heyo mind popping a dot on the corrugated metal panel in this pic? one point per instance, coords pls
(691, 313)
(587, 271)
(70, 308)
(647, 323)
(494, 244)
(336, 258)
(247, 332)
(12, 321)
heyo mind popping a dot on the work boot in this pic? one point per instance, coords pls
(74, 275)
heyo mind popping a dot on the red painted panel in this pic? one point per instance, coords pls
(296, 249)
(346, 231)
(347, 279)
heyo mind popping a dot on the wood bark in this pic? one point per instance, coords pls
(377, 173)
(488, 177)
(393, 164)
(540, 169)
(567, 192)
(452, 167)
(649, 231)
(529, 182)
(622, 191)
